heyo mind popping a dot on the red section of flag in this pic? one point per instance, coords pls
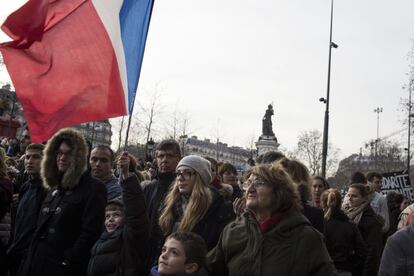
(27, 23)
(68, 77)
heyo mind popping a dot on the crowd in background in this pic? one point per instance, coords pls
(67, 208)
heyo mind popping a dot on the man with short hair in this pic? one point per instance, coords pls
(101, 163)
(167, 156)
(378, 201)
(72, 214)
(31, 196)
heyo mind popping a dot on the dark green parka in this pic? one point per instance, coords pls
(292, 247)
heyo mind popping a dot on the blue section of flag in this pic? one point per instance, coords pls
(134, 18)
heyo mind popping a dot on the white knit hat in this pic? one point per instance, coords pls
(200, 165)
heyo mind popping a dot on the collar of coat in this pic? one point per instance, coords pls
(291, 219)
(51, 177)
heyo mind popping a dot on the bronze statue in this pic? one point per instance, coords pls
(267, 122)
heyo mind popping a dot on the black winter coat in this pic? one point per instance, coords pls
(344, 242)
(219, 214)
(314, 215)
(394, 215)
(6, 192)
(155, 194)
(121, 252)
(17, 250)
(69, 223)
(371, 231)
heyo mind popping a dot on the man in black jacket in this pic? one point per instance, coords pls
(72, 214)
(167, 155)
(31, 197)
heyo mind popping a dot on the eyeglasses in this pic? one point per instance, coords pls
(166, 155)
(255, 184)
(60, 153)
(184, 174)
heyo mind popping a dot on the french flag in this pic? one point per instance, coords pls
(75, 61)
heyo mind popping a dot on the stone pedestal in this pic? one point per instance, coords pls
(266, 143)
(8, 127)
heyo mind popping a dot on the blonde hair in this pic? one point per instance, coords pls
(330, 200)
(199, 202)
(3, 167)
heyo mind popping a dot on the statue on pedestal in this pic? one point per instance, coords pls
(267, 129)
(267, 141)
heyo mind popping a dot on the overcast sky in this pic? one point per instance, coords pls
(223, 62)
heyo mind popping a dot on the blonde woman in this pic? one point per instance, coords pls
(192, 206)
(342, 237)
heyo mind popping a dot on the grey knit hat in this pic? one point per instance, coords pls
(200, 165)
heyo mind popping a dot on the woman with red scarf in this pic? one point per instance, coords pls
(272, 236)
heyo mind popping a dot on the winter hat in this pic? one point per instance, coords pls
(200, 165)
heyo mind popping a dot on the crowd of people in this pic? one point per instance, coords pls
(67, 208)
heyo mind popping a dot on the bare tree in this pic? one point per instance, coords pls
(185, 127)
(309, 151)
(178, 124)
(118, 129)
(149, 114)
(173, 125)
(388, 157)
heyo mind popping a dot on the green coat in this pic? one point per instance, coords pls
(292, 247)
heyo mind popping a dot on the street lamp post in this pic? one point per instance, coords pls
(409, 126)
(377, 110)
(326, 100)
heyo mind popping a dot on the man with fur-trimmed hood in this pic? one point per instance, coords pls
(72, 214)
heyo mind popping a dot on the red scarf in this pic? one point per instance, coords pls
(317, 201)
(272, 221)
(216, 183)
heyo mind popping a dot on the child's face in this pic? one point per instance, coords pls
(172, 259)
(113, 220)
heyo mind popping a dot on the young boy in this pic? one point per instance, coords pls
(183, 254)
(120, 249)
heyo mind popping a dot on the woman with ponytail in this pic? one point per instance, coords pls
(343, 239)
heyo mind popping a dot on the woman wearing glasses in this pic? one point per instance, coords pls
(191, 205)
(271, 237)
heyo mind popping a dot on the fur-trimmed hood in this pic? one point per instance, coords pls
(49, 170)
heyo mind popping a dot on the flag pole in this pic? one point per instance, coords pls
(121, 177)
(129, 125)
